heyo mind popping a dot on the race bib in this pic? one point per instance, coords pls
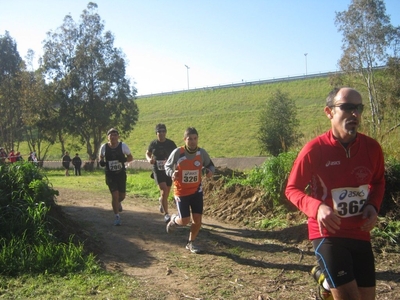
(190, 176)
(160, 164)
(349, 201)
(114, 165)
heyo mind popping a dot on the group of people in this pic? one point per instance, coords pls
(76, 162)
(11, 157)
(337, 180)
(181, 166)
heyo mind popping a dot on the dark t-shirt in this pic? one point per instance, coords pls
(76, 161)
(161, 150)
(66, 160)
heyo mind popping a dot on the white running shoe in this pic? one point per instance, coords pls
(192, 248)
(117, 221)
(171, 224)
(167, 218)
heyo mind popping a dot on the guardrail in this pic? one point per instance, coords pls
(246, 83)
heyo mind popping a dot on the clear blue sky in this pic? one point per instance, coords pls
(221, 41)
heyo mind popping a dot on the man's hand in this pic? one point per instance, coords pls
(327, 218)
(102, 163)
(175, 175)
(370, 215)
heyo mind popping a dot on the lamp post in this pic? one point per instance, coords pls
(187, 73)
(305, 55)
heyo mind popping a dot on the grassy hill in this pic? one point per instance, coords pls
(227, 119)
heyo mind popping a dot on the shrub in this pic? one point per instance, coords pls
(28, 242)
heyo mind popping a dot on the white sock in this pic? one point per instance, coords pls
(326, 285)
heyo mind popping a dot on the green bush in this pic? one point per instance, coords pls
(28, 241)
(271, 176)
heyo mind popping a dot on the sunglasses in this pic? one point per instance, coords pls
(350, 107)
(161, 131)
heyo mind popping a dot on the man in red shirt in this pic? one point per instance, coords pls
(344, 173)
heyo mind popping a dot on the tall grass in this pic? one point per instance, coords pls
(28, 240)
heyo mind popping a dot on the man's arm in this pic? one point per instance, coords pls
(170, 163)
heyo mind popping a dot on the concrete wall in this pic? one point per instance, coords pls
(237, 163)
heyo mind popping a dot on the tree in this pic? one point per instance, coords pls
(367, 41)
(10, 112)
(40, 121)
(278, 129)
(88, 74)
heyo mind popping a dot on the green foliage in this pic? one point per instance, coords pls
(273, 223)
(389, 231)
(278, 129)
(271, 176)
(217, 113)
(28, 241)
(87, 73)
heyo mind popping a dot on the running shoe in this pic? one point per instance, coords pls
(171, 224)
(117, 221)
(161, 206)
(319, 277)
(167, 218)
(192, 248)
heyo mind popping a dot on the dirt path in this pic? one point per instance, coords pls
(235, 263)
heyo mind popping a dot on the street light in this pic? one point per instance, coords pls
(187, 72)
(305, 55)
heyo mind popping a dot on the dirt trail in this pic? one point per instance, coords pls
(235, 263)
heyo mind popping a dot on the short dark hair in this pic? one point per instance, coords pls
(160, 126)
(111, 130)
(330, 100)
(190, 130)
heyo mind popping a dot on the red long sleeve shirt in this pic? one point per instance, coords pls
(344, 179)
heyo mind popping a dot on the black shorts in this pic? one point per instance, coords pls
(116, 182)
(160, 176)
(193, 203)
(342, 260)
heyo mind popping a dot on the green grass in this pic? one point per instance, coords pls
(227, 119)
(138, 182)
(102, 285)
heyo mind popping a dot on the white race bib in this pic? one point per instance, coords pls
(114, 165)
(349, 201)
(160, 164)
(190, 176)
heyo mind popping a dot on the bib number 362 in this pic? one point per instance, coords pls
(349, 201)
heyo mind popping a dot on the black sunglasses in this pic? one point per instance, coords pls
(160, 131)
(350, 107)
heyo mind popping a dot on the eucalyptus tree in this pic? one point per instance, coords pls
(88, 73)
(10, 112)
(367, 44)
(278, 129)
(38, 113)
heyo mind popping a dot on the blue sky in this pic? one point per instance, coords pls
(220, 41)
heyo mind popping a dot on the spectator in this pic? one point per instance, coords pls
(77, 162)
(3, 155)
(12, 157)
(18, 156)
(66, 161)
